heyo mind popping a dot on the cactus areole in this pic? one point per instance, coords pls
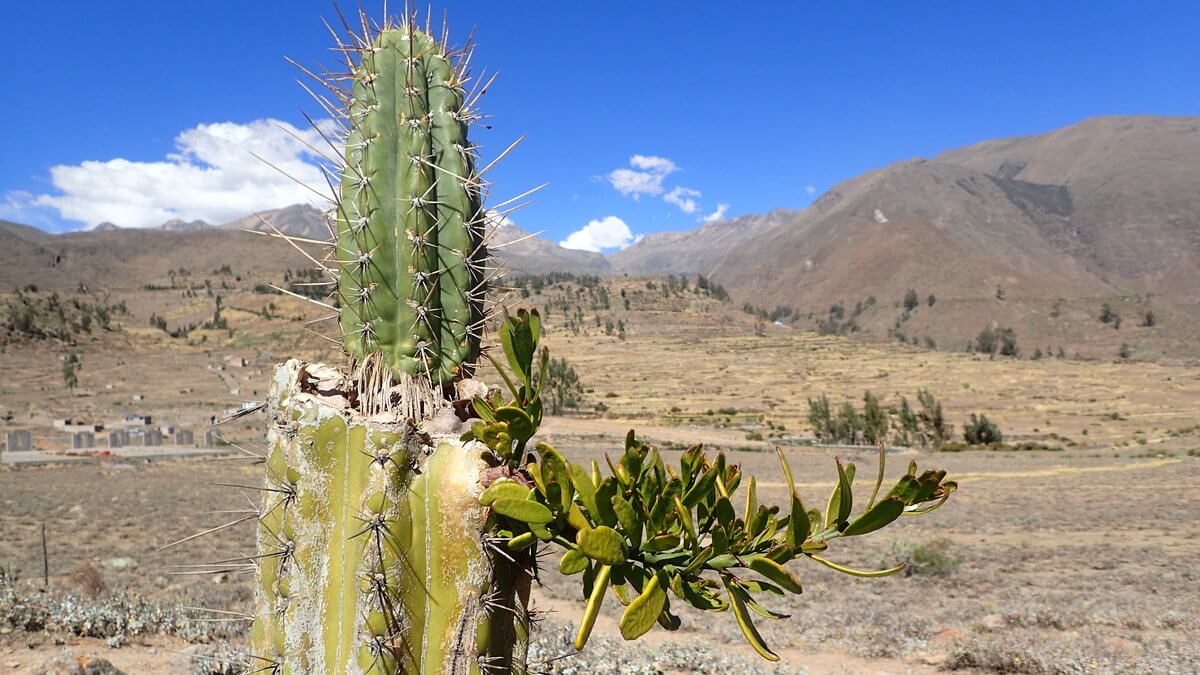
(405, 502)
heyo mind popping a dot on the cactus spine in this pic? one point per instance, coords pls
(371, 554)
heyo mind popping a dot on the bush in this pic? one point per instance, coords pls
(1149, 320)
(981, 431)
(932, 559)
(910, 300)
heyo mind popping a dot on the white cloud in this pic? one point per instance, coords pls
(646, 176)
(716, 215)
(212, 176)
(607, 233)
(686, 199)
(810, 189)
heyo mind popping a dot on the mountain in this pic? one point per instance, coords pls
(1104, 207)
(299, 220)
(113, 257)
(694, 250)
(181, 225)
(106, 226)
(523, 253)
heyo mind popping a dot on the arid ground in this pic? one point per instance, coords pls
(1075, 559)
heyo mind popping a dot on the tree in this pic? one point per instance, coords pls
(70, 370)
(874, 420)
(1148, 320)
(820, 417)
(910, 300)
(934, 428)
(1008, 342)
(1108, 314)
(986, 341)
(563, 388)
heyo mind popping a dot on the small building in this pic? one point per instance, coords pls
(184, 437)
(19, 441)
(118, 438)
(83, 440)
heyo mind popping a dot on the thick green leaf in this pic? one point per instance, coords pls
(775, 572)
(520, 426)
(584, 487)
(627, 516)
(504, 487)
(662, 542)
(605, 514)
(602, 544)
(737, 599)
(701, 489)
(878, 516)
(572, 562)
(641, 614)
(524, 510)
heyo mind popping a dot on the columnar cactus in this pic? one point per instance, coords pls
(371, 538)
(404, 502)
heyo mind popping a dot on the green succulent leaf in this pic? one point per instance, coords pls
(602, 544)
(505, 487)
(524, 510)
(641, 614)
(737, 600)
(572, 562)
(775, 572)
(880, 515)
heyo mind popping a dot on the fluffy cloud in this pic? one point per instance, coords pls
(607, 233)
(716, 215)
(214, 175)
(687, 199)
(810, 189)
(646, 176)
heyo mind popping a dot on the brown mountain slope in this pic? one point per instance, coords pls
(1135, 189)
(130, 258)
(694, 250)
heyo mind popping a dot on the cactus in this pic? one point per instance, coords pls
(405, 503)
(371, 549)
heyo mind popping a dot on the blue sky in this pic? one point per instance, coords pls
(147, 108)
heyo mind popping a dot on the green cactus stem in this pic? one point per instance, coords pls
(410, 229)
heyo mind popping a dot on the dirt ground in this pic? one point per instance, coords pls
(1059, 562)
(1073, 560)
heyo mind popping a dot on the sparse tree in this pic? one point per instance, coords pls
(874, 420)
(72, 364)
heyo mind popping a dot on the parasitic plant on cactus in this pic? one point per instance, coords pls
(405, 502)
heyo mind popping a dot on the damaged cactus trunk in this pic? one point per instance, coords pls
(371, 551)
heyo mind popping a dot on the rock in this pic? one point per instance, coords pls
(120, 564)
(1119, 646)
(115, 641)
(945, 637)
(992, 622)
(220, 578)
(936, 659)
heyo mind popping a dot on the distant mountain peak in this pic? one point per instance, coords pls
(181, 225)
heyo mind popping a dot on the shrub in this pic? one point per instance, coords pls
(933, 559)
(910, 300)
(981, 431)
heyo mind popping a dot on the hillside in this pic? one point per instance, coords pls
(1033, 233)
